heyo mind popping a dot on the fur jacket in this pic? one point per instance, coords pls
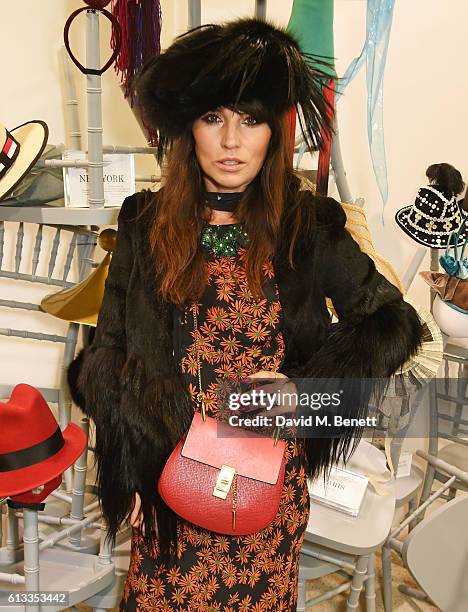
(127, 380)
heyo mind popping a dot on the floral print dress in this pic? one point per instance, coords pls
(238, 335)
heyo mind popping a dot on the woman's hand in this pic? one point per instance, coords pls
(136, 517)
(283, 391)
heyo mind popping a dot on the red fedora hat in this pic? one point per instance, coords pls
(33, 450)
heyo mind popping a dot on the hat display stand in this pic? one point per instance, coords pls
(46, 568)
(41, 566)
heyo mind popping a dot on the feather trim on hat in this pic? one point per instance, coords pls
(241, 62)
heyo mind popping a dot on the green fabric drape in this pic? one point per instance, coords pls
(311, 22)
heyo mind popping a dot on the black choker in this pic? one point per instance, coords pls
(226, 202)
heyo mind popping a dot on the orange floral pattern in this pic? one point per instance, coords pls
(239, 335)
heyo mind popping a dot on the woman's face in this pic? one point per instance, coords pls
(230, 147)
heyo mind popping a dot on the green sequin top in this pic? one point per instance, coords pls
(224, 239)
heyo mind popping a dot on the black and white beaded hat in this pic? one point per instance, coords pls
(432, 218)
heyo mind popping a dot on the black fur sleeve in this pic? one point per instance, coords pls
(109, 337)
(95, 381)
(376, 332)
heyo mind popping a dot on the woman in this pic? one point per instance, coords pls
(233, 232)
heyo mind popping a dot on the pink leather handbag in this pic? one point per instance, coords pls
(223, 478)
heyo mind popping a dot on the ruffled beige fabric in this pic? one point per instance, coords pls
(396, 409)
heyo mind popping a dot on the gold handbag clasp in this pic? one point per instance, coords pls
(224, 481)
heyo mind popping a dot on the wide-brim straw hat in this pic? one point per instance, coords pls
(20, 149)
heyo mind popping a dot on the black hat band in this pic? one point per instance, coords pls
(26, 457)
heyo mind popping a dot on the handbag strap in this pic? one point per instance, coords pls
(201, 395)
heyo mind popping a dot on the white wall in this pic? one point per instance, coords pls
(426, 83)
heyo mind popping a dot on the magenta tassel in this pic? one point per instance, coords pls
(140, 21)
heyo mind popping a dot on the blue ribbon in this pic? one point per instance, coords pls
(374, 52)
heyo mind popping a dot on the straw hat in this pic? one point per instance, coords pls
(20, 149)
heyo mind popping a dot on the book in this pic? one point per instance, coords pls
(118, 179)
(342, 491)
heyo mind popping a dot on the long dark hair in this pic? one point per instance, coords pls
(180, 216)
(447, 178)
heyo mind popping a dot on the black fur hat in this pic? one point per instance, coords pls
(226, 65)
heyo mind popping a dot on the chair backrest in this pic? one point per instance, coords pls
(44, 255)
(436, 554)
(80, 239)
(450, 402)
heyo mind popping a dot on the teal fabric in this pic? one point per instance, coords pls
(455, 307)
(311, 23)
(456, 265)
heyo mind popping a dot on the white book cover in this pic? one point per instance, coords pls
(343, 491)
(119, 179)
